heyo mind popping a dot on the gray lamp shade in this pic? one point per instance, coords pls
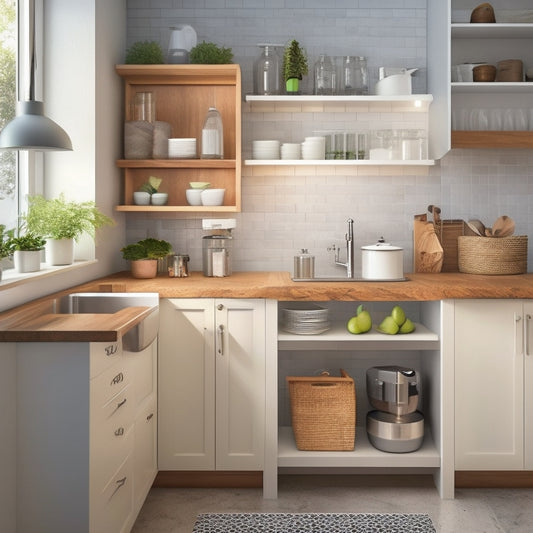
(31, 130)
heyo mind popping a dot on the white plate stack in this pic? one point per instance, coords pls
(184, 148)
(314, 148)
(291, 151)
(304, 318)
(265, 149)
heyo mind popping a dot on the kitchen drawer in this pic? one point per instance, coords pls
(109, 383)
(143, 367)
(145, 446)
(104, 355)
(112, 506)
(111, 412)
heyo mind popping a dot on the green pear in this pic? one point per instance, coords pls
(361, 323)
(407, 326)
(389, 326)
(398, 314)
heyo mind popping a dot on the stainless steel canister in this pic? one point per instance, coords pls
(304, 265)
(178, 266)
(216, 255)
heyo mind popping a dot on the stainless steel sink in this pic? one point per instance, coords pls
(349, 279)
(137, 338)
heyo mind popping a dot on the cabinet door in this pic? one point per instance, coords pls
(240, 378)
(186, 429)
(528, 385)
(489, 387)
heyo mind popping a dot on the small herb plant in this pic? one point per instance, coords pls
(294, 61)
(58, 218)
(210, 54)
(151, 186)
(26, 243)
(149, 248)
(145, 53)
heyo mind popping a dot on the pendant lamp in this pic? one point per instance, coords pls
(30, 129)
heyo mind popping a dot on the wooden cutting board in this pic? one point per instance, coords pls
(428, 252)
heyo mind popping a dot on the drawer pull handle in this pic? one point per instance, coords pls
(119, 432)
(528, 322)
(111, 350)
(120, 404)
(119, 483)
(220, 339)
(117, 379)
(150, 416)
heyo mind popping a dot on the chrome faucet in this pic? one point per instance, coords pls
(350, 252)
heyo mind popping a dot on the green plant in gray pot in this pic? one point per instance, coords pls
(62, 222)
(295, 66)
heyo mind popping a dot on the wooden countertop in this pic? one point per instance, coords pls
(39, 321)
(279, 286)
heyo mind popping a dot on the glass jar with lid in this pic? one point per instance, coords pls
(325, 76)
(267, 71)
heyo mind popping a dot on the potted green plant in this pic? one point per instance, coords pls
(210, 54)
(148, 193)
(295, 66)
(144, 254)
(145, 53)
(61, 222)
(26, 250)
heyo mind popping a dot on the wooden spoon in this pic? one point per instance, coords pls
(503, 226)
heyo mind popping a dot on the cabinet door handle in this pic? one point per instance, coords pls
(112, 349)
(150, 416)
(120, 404)
(117, 379)
(119, 483)
(119, 432)
(220, 339)
(527, 323)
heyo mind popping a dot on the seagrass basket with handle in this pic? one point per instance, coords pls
(492, 255)
(323, 412)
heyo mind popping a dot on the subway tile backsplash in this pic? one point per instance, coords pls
(288, 208)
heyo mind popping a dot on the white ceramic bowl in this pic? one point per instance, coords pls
(213, 196)
(194, 196)
(141, 198)
(159, 198)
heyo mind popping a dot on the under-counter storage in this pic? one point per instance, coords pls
(337, 348)
(183, 95)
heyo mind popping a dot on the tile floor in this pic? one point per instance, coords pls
(472, 510)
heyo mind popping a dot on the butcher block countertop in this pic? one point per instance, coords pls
(39, 321)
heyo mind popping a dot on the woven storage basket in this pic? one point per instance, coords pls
(492, 255)
(323, 412)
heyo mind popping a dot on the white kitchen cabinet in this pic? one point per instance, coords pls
(404, 108)
(493, 385)
(212, 384)
(480, 113)
(422, 350)
(79, 406)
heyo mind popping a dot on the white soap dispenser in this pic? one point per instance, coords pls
(212, 136)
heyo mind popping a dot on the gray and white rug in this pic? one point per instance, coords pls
(313, 522)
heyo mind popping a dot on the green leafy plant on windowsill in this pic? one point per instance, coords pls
(58, 218)
(210, 54)
(28, 242)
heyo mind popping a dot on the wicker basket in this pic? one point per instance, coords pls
(493, 256)
(323, 412)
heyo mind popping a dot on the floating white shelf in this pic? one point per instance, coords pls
(492, 87)
(364, 455)
(338, 338)
(492, 31)
(337, 162)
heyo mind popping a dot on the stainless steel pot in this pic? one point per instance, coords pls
(396, 434)
(382, 261)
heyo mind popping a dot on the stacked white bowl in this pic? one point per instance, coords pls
(291, 151)
(265, 149)
(183, 148)
(314, 148)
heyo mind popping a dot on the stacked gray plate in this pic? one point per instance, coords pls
(304, 318)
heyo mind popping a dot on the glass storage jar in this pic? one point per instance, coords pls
(267, 71)
(212, 136)
(325, 76)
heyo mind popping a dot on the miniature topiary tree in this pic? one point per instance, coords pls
(294, 66)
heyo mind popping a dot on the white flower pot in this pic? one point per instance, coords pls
(59, 251)
(27, 260)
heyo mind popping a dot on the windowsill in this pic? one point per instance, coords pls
(11, 278)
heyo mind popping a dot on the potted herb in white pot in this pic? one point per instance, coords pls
(26, 250)
(62, 222)
(144, 255)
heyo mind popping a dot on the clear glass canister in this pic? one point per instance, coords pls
(325, 76)
(267, 71)
(212, 136)
(354, 78)
(216, 255)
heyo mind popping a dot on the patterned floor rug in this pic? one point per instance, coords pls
(313, 522)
